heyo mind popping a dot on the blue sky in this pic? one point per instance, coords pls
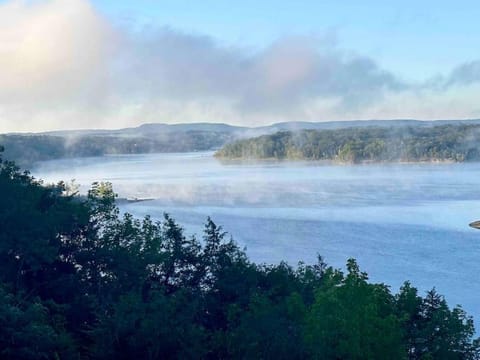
(416, 39)
(110, 64)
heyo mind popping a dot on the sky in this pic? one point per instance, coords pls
(71, 64)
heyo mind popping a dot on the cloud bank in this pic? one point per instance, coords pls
(64, 65)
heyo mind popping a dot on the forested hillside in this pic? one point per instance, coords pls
(27, 149)
(394, 140)
(80, 281)
(376, 144)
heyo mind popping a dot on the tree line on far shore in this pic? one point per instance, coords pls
(26, 150)
(456, 143)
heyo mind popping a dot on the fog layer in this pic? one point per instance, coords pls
(402, 222)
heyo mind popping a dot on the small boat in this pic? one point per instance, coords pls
(135, 199)
(475, 224)
(131, 200)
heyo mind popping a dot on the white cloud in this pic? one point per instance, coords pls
(52, 49)
(62, 65)
(54, 56)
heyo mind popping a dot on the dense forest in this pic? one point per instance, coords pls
(80, 281)
(371, 144)
(400, 141)
(27, 149)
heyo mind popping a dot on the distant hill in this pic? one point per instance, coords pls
(150, 130)
(154, 129)
(333, 125)
(28, 148)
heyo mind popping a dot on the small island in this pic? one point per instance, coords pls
(443, 143)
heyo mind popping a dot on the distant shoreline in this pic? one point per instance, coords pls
(338, 162)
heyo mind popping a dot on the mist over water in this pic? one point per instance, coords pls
(401, 222)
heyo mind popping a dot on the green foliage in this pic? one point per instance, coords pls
(28, 149)
(30, 330)
(163, 327)
(352, 145)
(80, 281)
(354, 320)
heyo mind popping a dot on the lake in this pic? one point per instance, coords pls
(401, 222)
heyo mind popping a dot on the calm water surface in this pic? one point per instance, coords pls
(401, 222)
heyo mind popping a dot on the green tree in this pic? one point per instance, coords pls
(353, 319)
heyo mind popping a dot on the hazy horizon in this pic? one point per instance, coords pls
(93, 128)
(73, 64)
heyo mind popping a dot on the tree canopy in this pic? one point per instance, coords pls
(28, 149)
(456, 143)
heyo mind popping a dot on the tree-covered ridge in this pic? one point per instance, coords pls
(437, 143)
(80, 281)
(27, 149)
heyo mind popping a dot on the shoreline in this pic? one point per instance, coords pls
(340, 162)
